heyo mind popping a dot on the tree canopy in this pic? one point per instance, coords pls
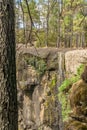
(59, 23)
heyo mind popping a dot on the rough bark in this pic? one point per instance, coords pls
(8, 91)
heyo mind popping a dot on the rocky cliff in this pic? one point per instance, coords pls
(78, 102)
(77, 93)
(39, 108)
(39, 74)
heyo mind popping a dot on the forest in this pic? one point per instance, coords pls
(43, 64)
(57, 23)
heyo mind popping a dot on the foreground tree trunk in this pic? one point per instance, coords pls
(8, 91)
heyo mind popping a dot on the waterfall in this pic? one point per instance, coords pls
(61, 67)
(60, 79)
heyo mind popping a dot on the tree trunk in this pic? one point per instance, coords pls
(23, 18)
(8, 91)
(58, 24)
(47, 24)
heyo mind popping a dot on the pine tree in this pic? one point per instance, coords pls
(8, 91)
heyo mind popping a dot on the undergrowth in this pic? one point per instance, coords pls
(38, 63)
(64, 92)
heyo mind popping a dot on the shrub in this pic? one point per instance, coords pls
(39, 64)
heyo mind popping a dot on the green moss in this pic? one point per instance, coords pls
(65, 105)
(80, 69)
(49, 104)
(53, 81)
(68, 82)
(64, 92)
(64, 85)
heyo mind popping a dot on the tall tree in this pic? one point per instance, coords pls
(8, 91)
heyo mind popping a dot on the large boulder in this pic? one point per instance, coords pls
(73, 59)
(78, 103)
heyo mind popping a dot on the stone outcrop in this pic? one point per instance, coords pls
(39, 73)
(39, 108)
(78, 102)
(73, 59)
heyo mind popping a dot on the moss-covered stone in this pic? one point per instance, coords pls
(78, 102)
(78, 94)
(50, 104)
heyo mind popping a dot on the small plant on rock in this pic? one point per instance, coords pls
(64, 92)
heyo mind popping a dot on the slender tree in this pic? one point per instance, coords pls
(47, 23)
(8, 91)
(23, 22)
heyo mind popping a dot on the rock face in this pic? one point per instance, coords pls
(73, 59)
(39, 74)
(39, 108)
(78, 102)
(78, 91)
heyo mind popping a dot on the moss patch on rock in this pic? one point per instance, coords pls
(50, 103)
(64, 92)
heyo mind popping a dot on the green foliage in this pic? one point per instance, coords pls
(80, 69)
(38, 64)
(71, 20)
(42, 39)
(51, 97)
(63, 98)
(64, 92)
(20, 36)
(53, 82)
(42, 36)
(52, 39)
(70, 81)
(67, 20)
(30, 61)
(41, 66)
(64, 85)
(33, 10)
